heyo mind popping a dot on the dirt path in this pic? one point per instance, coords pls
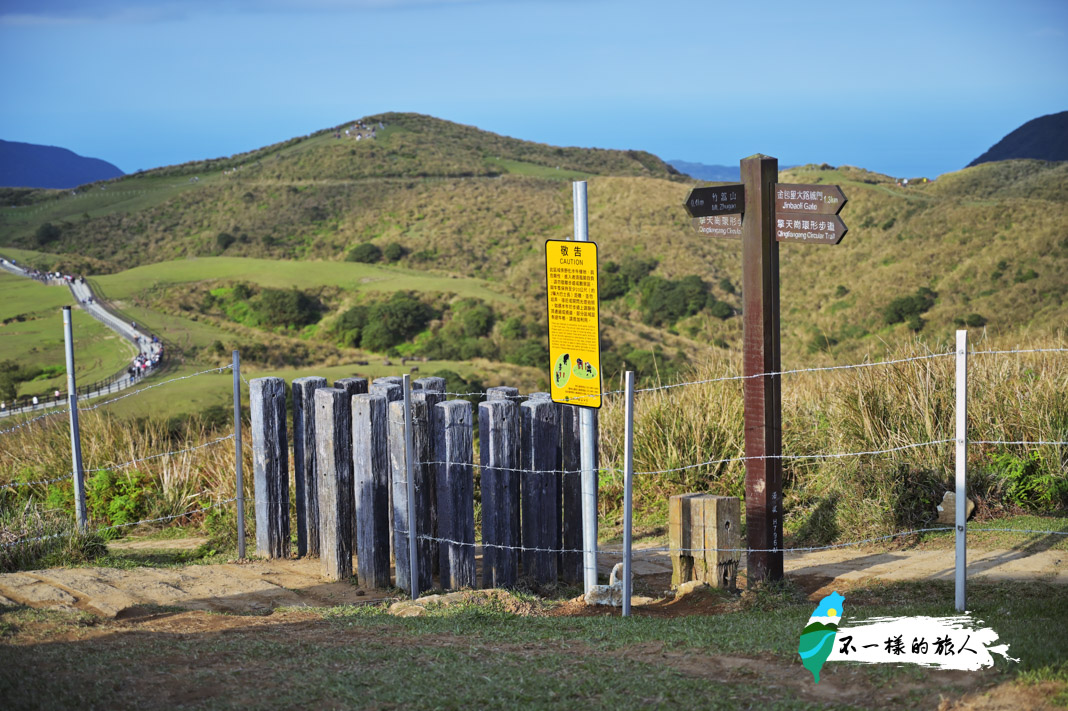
(261, 586)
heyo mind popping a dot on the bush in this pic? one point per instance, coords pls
(224, 240)
(973, 320)
(612, 286)
(531, 353)
(367, 253)
(46, 234)
(287, 307)
(394, 252)
(1022, 276)
(395, 321)
(665, 302)
(117, 497)
(720, 309)
(909, 308)
(475, 317)
(349, 326)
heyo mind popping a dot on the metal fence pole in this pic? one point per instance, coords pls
(587, 429)
(237, 457)
(628, 481)
(962, 467)
(409, 455)
(75, 433)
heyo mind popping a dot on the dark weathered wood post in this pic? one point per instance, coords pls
(430, 399)
(540, 494)
(456, 492)
(306, 484)
(391, 391)
(502, 392)
(333, 430)
(498, 433)
(402, 527)
(571, 483)
(763, 395)
(270, 466)
(353, 385)
(371, 487)
(431, 382)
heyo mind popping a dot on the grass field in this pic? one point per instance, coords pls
(285, 274)
(38, 339)
(520, 654)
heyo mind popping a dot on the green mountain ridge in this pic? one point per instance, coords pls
(985, 246)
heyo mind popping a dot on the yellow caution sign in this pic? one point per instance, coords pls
(574, 325)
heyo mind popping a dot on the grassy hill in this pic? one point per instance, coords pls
(458, 216)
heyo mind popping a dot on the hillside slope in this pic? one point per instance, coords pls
(34, 166)
(983, 247)
(1043, 138)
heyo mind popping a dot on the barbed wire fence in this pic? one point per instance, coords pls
(668, 389)
(83, 525)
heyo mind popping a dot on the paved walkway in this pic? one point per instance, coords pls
(88, 302)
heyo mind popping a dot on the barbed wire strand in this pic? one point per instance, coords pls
(161, 454)
(154, 385)
(27, 423)
(121, 525)
(35, 483)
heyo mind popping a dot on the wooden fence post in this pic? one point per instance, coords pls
(502, 392)
(305, 482)
(353, 385)
(498, 433)
(434, 423)
(456, 491)
(333, 430)
(371, 487)
(431, 383)
(270, 466)
(571, 483)
(402, 527)
(540, 493)
(393, 392)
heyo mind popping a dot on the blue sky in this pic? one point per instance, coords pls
(905, 88)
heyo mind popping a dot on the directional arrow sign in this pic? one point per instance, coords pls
(811, 199)
(724, 200)
(729, 226)
(806, 227)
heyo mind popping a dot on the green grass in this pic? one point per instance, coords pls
(483, 656)
(518, 167)
(38, 340)
(285, 274)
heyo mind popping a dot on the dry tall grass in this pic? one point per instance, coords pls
(1012, 397)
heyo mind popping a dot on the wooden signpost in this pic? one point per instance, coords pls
(772, 212)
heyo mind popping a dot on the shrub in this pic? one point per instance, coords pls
(909, 308)
(532, 353)
(720, 309)
(224, 240)
(46, 234)
(664, 301)
(395, 321)
(287, 307)
(367, 253)
(394, 252)
(612, 286)
(474, 316)
(1022, 276)
(726, 285)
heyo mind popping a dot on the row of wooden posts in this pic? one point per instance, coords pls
(351, 488)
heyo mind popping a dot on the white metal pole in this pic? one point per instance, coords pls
(628, 480)
(408, 454)
(75, 433)
(962, 467)
(587, 428)
(237, 458)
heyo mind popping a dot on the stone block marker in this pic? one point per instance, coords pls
(371, 487)
(455, 493)
(540, 488)
(333, 426)
(270, 466)
(306, 484)
(498, 434)
(697, 525)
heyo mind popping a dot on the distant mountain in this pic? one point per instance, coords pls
(1044, 138)
(702, 171)
(27, 165)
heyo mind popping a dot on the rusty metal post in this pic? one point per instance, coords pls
(763, 398)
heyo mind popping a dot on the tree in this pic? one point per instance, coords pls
(46, 234)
